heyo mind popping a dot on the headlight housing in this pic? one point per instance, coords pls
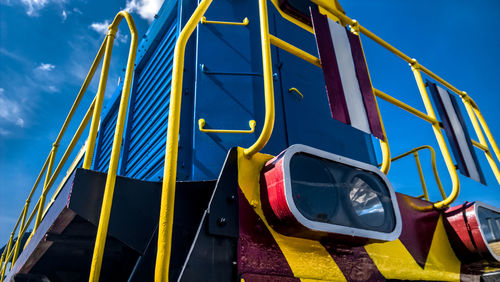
(474, 230)
(309, 193)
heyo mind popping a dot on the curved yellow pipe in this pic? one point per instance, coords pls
(267, 67)
(170, 168)
(102, 229)
(440, 139)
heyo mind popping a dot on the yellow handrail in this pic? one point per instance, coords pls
(293, 89)
(201, 125)
(472, 111)
(468, 102)
(294, 50)
(267, 72)
(102, 229)
(440, 139)
(93, 113)
(472, 108)
(243, 23)
(170, 168)
(434, 168)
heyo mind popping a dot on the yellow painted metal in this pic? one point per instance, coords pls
(482, 144)
(293, 89)
(308, 259)
(384, 142)
(394, 261)
(19, 236)
(28, 222)
(71, 146)
(492, 143)
(52, 157)
(441, 142)
(294, 50)
(71, 168)
(292, 19)
(201, 124)
(421, 175)
(267, 129)
(8, 254)
(405, 107)
(243, 23)
(102, 229)
(170, 168)
(433, 163)
(94, 126)
(82, 91)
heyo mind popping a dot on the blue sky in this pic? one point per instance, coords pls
(47, 46)
(46, 49)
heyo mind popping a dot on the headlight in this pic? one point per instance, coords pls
(474, 229)
(311, 193)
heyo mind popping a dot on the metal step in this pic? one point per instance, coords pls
(61, 248)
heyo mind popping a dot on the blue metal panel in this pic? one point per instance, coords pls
(106, 133)
(225, 100)
(148, 112)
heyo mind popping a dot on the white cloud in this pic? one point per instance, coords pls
(147, 9)
(10, 113)
(33, 6)
(64, 15)
(102, 28)
(52, 89)
(45, 67)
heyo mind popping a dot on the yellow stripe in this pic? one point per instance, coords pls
(395, 262)
(308, 259)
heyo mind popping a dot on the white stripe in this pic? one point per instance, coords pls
(456, 126)
(350, 84)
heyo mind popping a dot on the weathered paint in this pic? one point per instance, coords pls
(423, 251)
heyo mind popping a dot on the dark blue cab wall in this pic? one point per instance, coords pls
(223, 84)
(229, 91)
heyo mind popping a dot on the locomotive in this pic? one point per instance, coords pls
(269, 171)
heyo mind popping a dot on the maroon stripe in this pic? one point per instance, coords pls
(258, 252)
(354, 262)
(418, 227)
(334, 90)
(365, 85)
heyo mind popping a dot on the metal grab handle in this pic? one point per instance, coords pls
(243, 23)
(201, 124)
(293, 89)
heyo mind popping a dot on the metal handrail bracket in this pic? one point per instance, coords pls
(201, 125)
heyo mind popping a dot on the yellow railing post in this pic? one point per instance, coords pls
(421, 175)
(482, 141)
(107, 200)
(170, 168)
(94, 126)
(20, 235)
(439, 137)
(267, 128)
(7, 256)
(45, 186)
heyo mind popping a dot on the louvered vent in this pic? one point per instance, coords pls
(149, 111)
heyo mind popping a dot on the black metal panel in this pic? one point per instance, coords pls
(191, 201)
(62, 247)
(213, 254)
(223, 211)
(135, 209)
